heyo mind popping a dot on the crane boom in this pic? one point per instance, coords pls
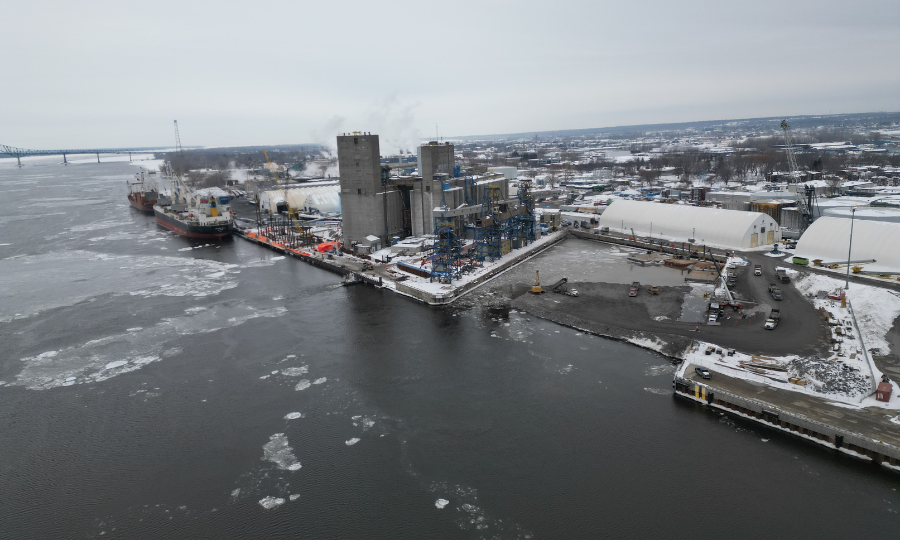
(806, 216)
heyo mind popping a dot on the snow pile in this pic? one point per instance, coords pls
(875, 308)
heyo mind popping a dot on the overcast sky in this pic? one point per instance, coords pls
(116, 73)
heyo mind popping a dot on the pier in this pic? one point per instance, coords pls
(809, 417)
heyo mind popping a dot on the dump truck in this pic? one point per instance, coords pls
(774, 317)
(782, 275)
(633, 290)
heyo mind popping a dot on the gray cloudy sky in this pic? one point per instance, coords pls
(116, 73)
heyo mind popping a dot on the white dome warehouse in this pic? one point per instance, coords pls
(733, 229)
(828, 238)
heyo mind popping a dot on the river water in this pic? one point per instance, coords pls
(156, 387)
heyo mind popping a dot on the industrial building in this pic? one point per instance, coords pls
(828, 238)
(680, 222)
(368, 206)
(471, 218)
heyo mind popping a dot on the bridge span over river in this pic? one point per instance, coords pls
(19, 153)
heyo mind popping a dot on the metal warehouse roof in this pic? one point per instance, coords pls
(727, 228)
(828, 238)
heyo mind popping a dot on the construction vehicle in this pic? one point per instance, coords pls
(782, 275)
(536, 289)
(654, 289)
(633, 290)
(772, 321)
(560, 287)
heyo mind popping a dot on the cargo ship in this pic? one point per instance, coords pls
(202, 215)
(142, 193)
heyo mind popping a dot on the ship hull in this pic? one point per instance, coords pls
(192, 231)
(142, 201)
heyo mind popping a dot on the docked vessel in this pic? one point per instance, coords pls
(202, 215)
(142, 193)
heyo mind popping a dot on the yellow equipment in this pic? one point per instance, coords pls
(537, 283)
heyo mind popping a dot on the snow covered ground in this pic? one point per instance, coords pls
(847, 375)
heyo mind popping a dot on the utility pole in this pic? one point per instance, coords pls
(850, 249)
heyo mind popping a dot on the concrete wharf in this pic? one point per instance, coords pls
(865, 433)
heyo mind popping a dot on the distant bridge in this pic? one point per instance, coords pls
(19, 153)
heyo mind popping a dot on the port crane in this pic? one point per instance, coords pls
(805, 200)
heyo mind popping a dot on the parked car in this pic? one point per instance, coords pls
(703, 372)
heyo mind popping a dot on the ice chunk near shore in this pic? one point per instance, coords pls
(271, 502)
(302, 385)
(351, 442)
(280, 453)
(441, 503)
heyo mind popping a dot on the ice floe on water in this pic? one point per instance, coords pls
(294, 497)
(279, 452)
(295, 371)
(363, 421)
(235, 493)
(663, 369)
(658, 391)
(293, 416)
(471, 517)
(566, 370)
(320, 380)
(259, 263)
(70, 277)
(302, 385)
(271, 502)
(106, 357)
(351, 442)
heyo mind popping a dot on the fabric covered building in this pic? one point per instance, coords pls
(322, 199)
(733, 229)
(828, 238)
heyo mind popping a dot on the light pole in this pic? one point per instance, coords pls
(850, 249)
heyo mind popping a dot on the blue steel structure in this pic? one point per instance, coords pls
(525, 220)
(497, 230)
(447, 245)
(19, 153)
